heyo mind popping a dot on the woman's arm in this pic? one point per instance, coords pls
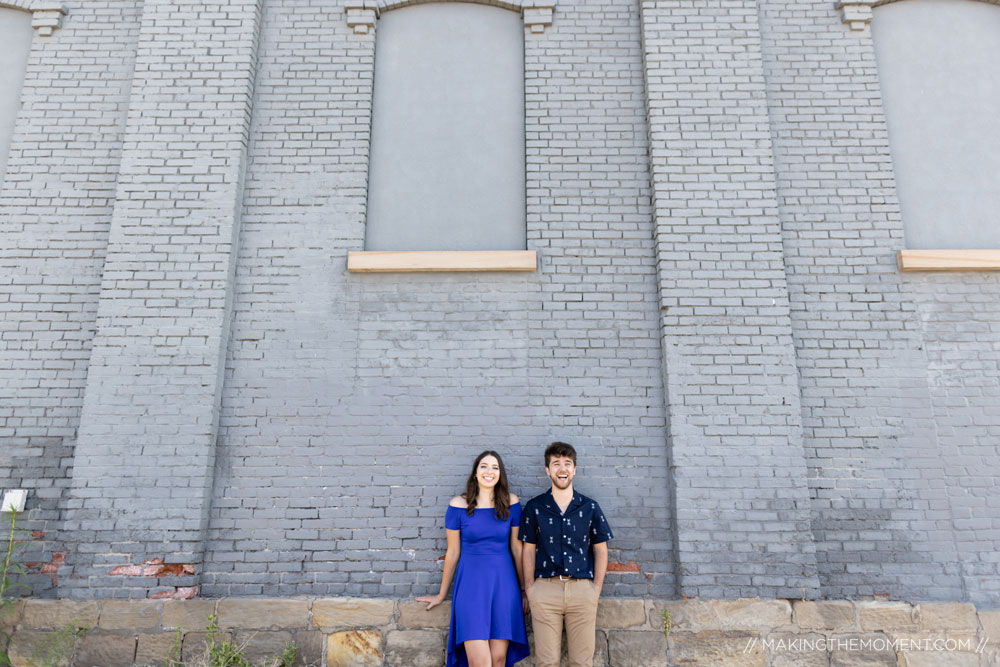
(515, 549)
(450, 564)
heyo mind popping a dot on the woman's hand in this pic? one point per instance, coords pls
(432, 600)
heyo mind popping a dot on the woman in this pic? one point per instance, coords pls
(487, 620)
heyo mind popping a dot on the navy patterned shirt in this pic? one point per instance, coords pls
(564, 542)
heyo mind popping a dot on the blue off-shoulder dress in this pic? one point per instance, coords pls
(486, 599)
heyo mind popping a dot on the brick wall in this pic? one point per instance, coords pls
(146, 448)
(735, 420)
(354, 404)
(202, 400)
(55, 214)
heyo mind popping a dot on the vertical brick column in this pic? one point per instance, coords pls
(739, 473)
(880, 468)
(56, 203)
(144, 458)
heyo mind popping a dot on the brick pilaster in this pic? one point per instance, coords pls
(145, 454)
(739, 473)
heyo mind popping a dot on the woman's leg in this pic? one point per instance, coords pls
(478, 652)
(498, 652)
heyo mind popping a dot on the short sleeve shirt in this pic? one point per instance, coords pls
(564, 541)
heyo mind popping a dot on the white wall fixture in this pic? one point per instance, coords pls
(13, 500)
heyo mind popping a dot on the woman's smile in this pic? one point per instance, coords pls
(488, 472)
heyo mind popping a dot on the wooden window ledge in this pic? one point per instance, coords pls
(409, 261)
(949, 260)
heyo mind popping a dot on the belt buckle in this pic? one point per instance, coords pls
(564, 578)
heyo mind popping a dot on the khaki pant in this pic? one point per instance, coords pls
(552, 601)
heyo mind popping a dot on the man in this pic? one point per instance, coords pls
(565, 539)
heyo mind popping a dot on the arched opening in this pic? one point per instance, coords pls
(15, 35)
(937, 62)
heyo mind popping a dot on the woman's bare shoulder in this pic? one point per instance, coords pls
(458, 501)
(514, 498)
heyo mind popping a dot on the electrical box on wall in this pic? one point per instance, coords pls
(13, 500)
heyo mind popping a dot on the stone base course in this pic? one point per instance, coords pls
(354, 632)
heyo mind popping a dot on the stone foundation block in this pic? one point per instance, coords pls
(796, 650)
(874, 616)
(187, 615)
(105, 650)
(938, 659)
(613, 613)
(151, 649)
(130, 614)
(716, 648)
(261, 647)
(28, 648)
(823, 615)
(692, 615)
(935, 617)
(415, 615)
(354, 648)
(415, 648)
(310, 643)
(697, 615)
(990, 621)
(956, 640)
(861, 650)
(753, 614)
(60, 613)
(195, 643)
(11, 615)
(630, 648)
(338, 613)
(263, 614)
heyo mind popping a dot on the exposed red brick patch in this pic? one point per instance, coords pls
(170, 569)
(38, 534)
(58, 560)
(179, 593)
(154, 568)
(630, 566)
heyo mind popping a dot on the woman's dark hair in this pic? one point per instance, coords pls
(501, 493)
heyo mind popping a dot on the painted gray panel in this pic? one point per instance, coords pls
(937, 62)
(447, 155)
(15, 35)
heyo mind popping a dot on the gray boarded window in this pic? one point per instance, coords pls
(446, 170)
(15, 35)
(938, 66)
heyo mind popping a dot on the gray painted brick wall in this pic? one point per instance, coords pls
(763, 404)
(735, 419)
(879, 483)
(55, 212)
(374, 421)
(143, 460)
